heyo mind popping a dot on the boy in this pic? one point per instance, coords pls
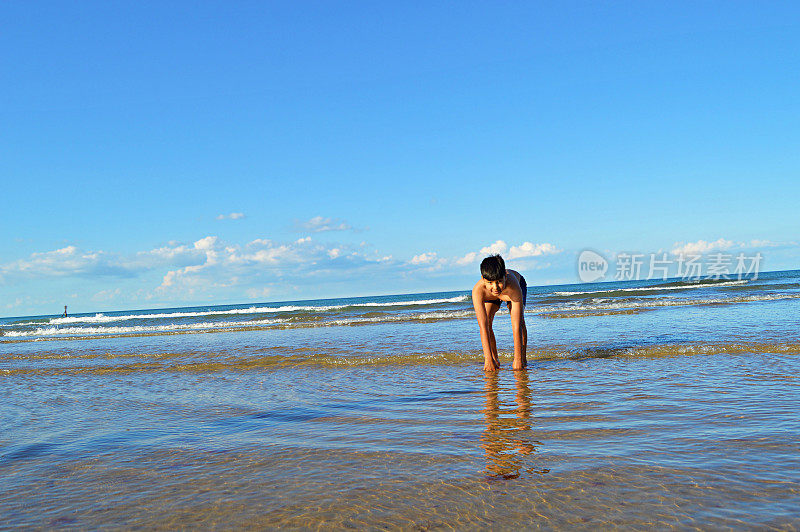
(497, 285)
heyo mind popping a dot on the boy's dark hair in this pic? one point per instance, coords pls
(493, 268)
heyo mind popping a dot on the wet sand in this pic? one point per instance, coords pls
(665, 442)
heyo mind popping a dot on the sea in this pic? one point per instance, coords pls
(646, 404)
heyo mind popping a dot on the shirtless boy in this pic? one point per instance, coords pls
(496, 286)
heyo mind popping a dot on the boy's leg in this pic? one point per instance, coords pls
(524, 336)
(491, 310)
(524, 287)
(524, 341)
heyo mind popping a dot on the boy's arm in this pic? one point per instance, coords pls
(483, 324)
(517, 310)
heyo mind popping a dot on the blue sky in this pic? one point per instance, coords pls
(382, 147)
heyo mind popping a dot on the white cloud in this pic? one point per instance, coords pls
(492, 249)
(767, 244)
(206, 243)
(207, 269)
(424, 258)
(166, 253)
(209, 263)
(271, 255)
(209, 247)
(210, 268)
(524, 250)
(262, 262)
(427, 262)
(318, 224)
(700, 247)
(231, 216)
(469, 258)
(528, 249)
(16, 303)
(106, 295)
(258, 293)
(66, 261)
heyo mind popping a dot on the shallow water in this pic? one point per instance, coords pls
(683, 415)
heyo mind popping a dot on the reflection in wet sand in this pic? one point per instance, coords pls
(506, 440)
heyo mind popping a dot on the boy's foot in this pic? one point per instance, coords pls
(491, 366)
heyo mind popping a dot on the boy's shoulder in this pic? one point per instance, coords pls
(480, 290)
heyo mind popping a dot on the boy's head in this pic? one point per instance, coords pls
(493, 268)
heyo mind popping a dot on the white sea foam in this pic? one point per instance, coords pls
(89, 331)
(420, 316)
(52, 331)
(656, 287)
(650, 303)
(457, 299)
(102, 318)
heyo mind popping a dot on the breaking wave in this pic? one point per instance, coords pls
(104, 318)
(668, 286)
(76, 333)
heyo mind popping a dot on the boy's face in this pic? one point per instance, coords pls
(495, 287)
